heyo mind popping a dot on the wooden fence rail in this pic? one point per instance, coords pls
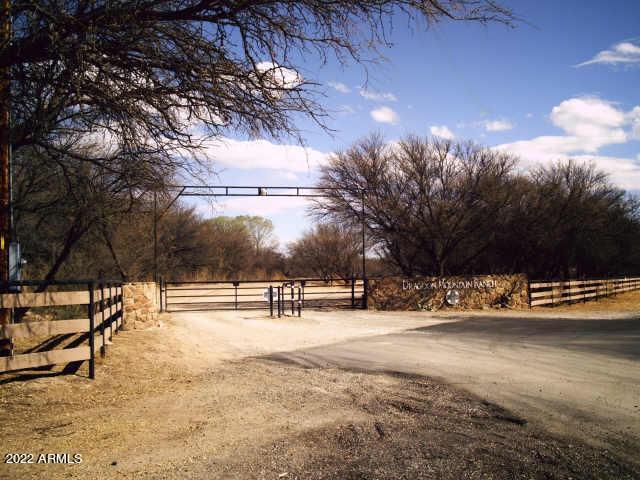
(105, 316)
(555, 292)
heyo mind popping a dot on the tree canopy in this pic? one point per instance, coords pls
(439, 207)
(146, 80)
(116, 97)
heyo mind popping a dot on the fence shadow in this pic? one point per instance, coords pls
(41, 372)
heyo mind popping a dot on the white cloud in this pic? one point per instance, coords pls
(384, 115)
(252, 154)
(589, 123)
(634, 118)
(594, 121)
(497, 125)
(262, 205)
(544, 149)
(624, 172)
(441, 131)
(529, 115)
(377, 96)
(339, 86)
(280, 77)
(626, 53)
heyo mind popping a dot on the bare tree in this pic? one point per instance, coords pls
(328, 251)
(578, 222)
(441, 207)
(59, 201)
(138, 75)
(432, 206)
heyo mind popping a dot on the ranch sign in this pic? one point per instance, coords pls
(435, 293)
(444, 284)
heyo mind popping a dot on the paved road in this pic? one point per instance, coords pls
(573, 375)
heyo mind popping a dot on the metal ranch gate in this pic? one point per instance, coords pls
(254, 294)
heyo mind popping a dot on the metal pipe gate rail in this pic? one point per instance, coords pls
(260, 294)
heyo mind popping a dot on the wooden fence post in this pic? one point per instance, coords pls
(122, 319)
(103, 349)
(92, 353)
(111, 315)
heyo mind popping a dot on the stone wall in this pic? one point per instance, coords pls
(140, 305)
(429, 293)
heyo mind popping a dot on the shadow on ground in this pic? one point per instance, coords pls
(615, 337)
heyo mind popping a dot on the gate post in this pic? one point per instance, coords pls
(365, 293)
(235, 286)
(271, 300)
(279, 304)
(353, 292)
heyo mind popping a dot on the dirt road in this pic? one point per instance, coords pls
(232, 396)
(574, 373)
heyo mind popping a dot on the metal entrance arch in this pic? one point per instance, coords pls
(250, 303)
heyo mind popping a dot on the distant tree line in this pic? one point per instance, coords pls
(80, 221)
(438, 207)
(431, 207)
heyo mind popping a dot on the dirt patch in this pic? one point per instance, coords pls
(156, 412)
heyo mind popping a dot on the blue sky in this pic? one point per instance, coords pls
(564, 84)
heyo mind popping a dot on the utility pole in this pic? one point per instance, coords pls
(6, 345)
(155, 236)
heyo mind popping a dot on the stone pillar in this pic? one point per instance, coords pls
(140, 305)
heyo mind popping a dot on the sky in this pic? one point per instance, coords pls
(563, 83)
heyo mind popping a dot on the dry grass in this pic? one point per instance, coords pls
(621, 303)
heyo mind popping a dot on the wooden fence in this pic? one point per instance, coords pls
(104, 317)
(554, 292)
